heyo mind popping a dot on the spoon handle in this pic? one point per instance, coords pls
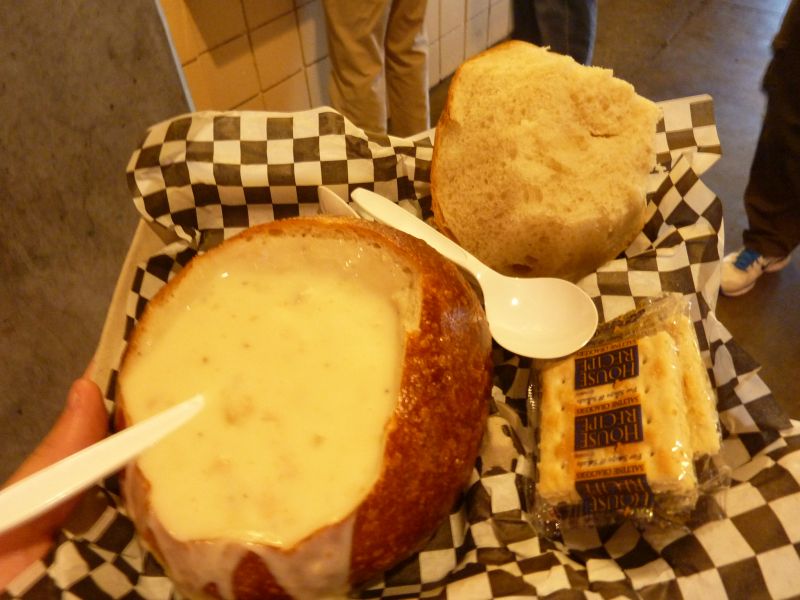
(388, 212)
(31, 496)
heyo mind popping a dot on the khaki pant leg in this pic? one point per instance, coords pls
(356, 36)
(407, 68)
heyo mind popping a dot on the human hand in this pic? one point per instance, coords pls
(83, 422)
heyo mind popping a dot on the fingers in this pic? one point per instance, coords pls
(90, 370)
(83, 422)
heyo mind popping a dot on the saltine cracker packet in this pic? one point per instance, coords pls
(627, 427)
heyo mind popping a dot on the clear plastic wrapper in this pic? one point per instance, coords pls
(627, 427)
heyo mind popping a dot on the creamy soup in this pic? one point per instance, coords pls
(297, 352)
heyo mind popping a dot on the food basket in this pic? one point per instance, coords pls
(202, 177)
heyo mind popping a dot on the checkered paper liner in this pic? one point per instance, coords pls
(206, 176)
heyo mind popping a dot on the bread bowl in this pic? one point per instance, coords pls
(347, 370)
(540, 164)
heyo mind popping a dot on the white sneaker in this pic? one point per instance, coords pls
(741, 269)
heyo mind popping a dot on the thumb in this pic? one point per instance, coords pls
(83, 421)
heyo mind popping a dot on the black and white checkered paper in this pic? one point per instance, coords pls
(206, 176)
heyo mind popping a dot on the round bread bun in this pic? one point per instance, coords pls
(347, 371)
(540, 164)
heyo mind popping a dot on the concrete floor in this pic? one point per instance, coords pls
(674, 48)
(79, 83)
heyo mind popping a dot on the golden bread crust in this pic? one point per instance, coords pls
(432, 438)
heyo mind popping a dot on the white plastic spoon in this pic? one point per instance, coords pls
(29, 497)
(330, 203)
(537, 317)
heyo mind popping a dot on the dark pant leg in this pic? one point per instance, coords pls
(772, 196)
(525, 27)
(566, 26)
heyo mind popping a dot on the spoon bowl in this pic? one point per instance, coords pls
(536, 317)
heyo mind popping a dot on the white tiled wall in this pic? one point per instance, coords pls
(273, 54)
